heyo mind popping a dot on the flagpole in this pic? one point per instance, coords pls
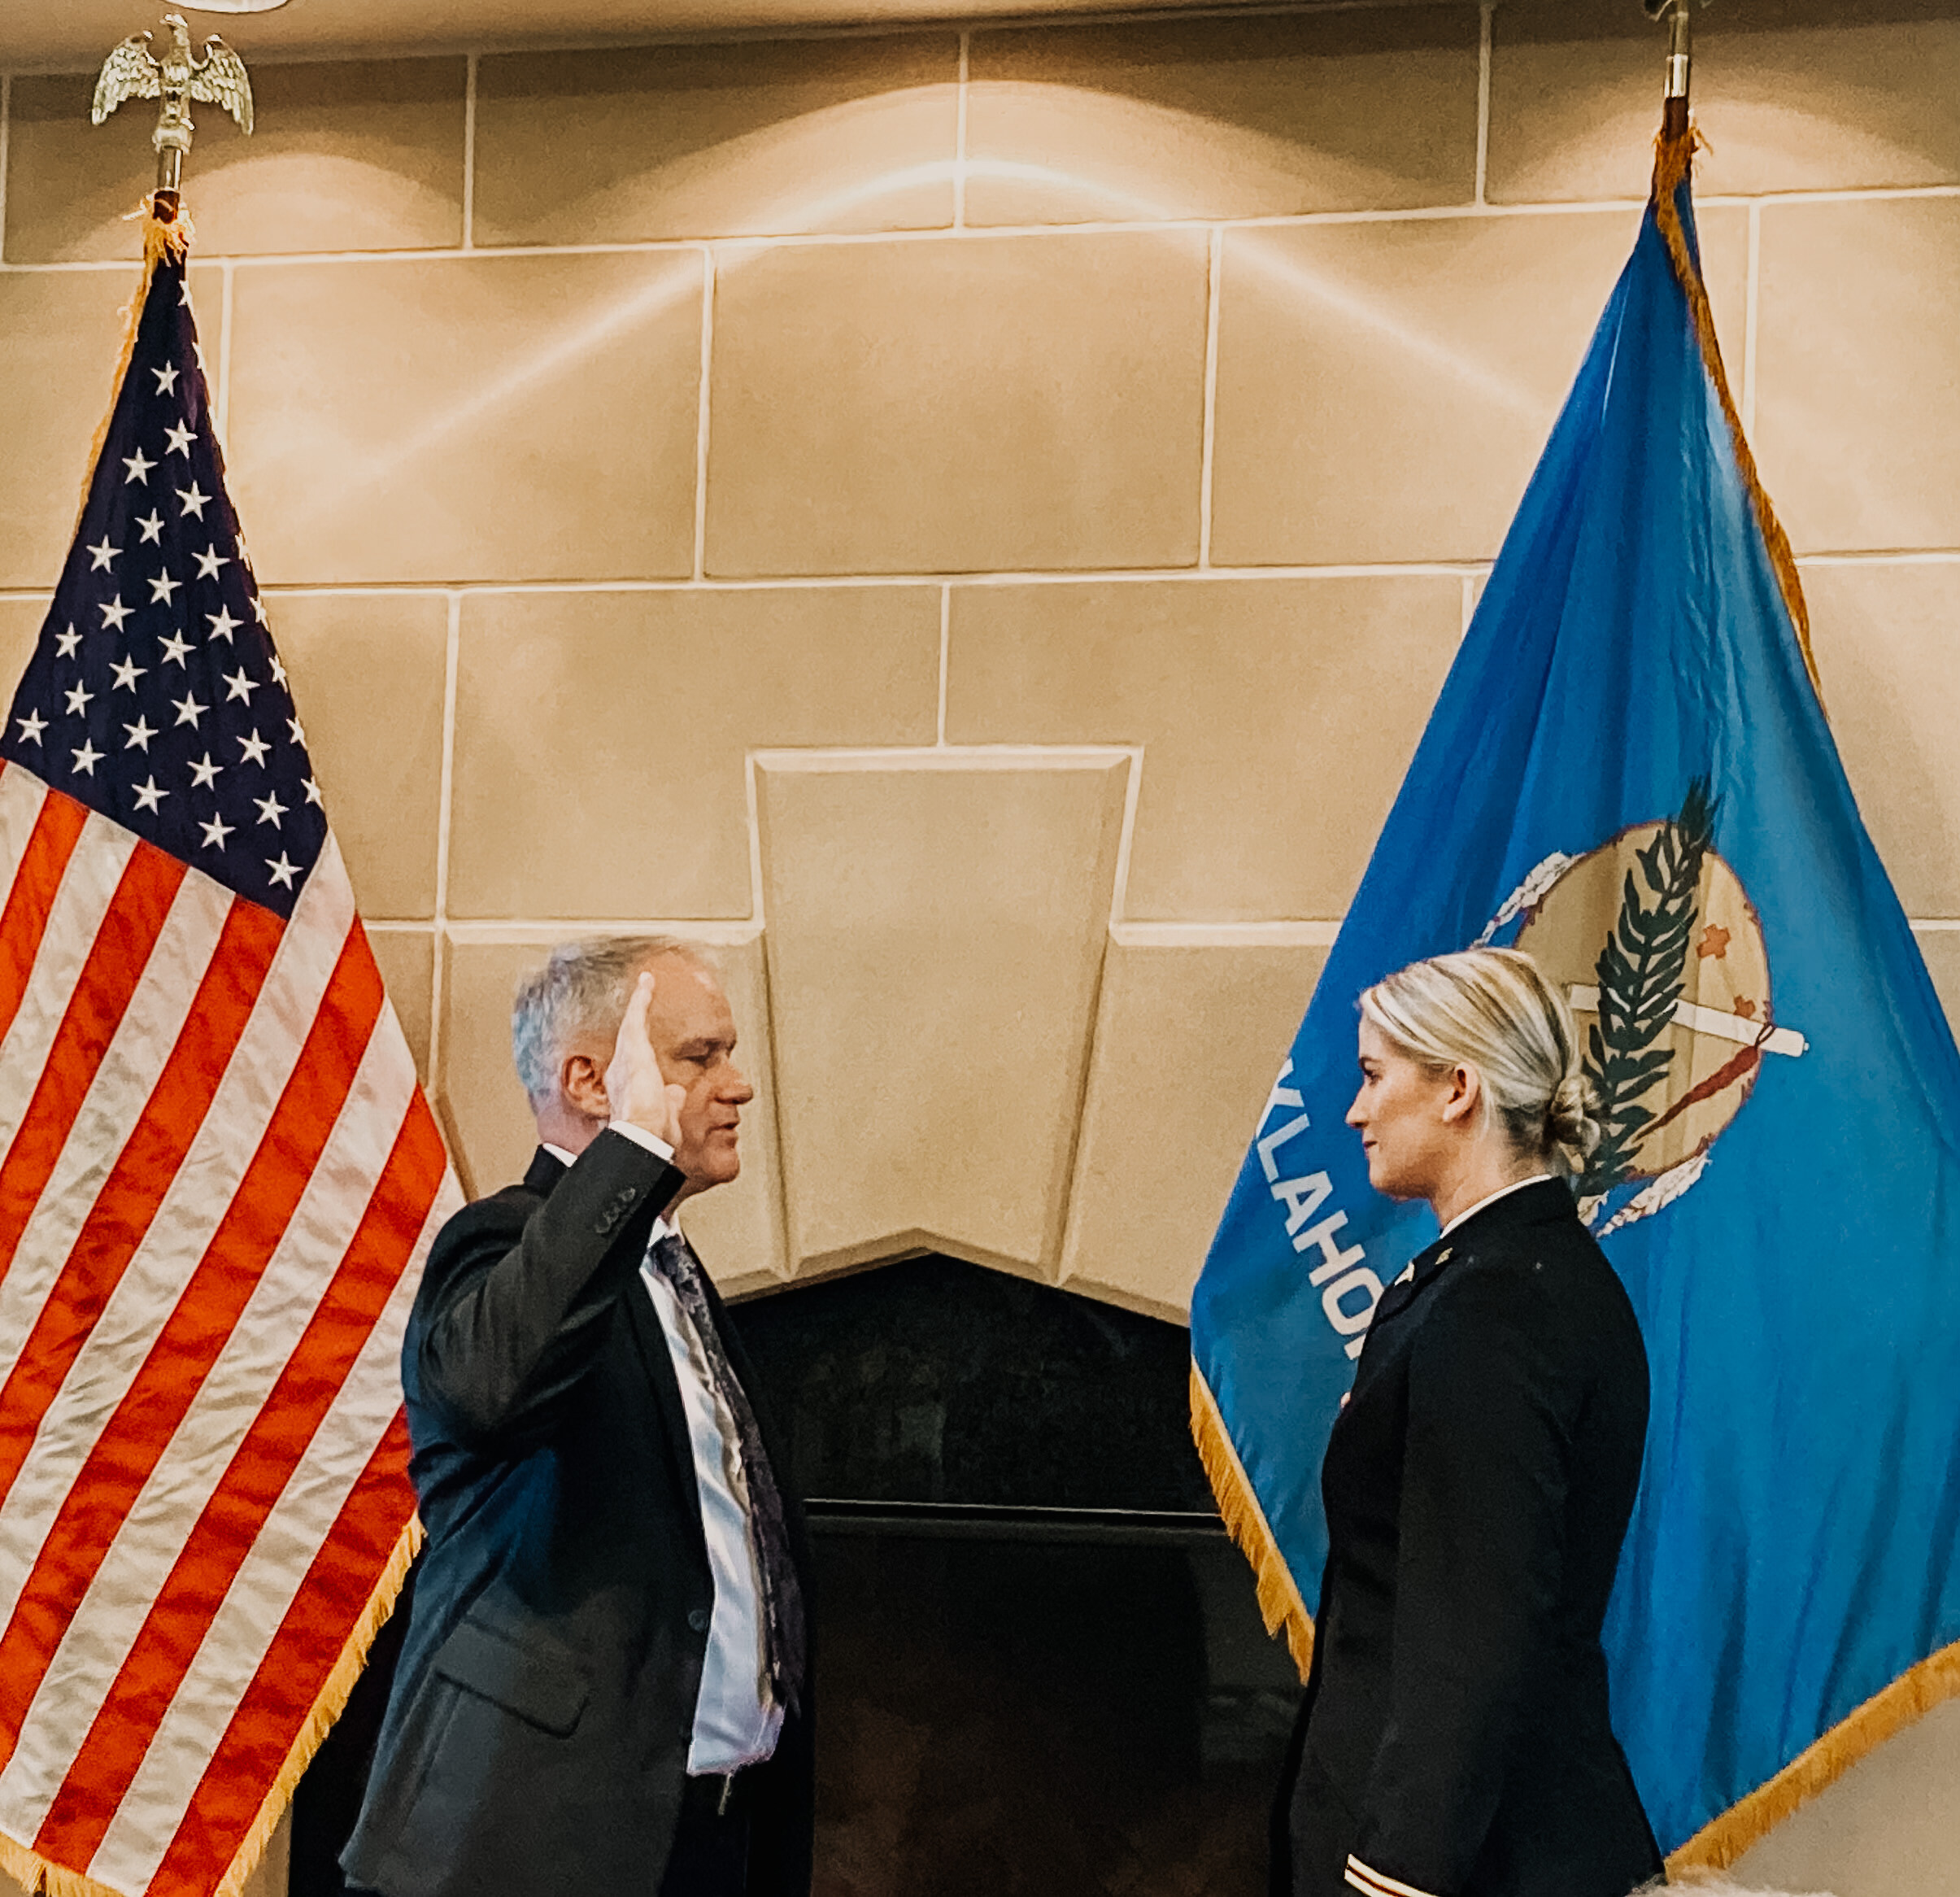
(1673, 158)
(1680, 61)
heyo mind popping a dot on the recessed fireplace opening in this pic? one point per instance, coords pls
(1043, 1666)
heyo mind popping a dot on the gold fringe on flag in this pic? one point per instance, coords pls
(452, 1139)
(1279, 1599)
(1915, 1693)
(1718, 1843)
(327, 1708)
(1673, 159)
(26, 1870)
(34, 1874)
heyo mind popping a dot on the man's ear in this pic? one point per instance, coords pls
(582, 1081)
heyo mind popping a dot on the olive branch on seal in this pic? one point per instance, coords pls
(1642, 971)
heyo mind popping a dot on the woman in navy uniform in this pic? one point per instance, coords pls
(1455, 1740)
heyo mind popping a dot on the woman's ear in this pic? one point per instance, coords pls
(1464, 1096)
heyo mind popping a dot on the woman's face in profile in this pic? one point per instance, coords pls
(1400, 1114)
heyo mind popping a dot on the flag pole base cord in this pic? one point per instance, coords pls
(1915, 1693)
(35, 1873)
(1279, 1599)
(1674, 157)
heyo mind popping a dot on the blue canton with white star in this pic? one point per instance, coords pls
(154, 695)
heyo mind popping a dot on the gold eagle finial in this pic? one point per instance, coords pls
(134, 71)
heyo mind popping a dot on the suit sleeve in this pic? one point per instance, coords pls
(505, 1329)
(1478, 1581)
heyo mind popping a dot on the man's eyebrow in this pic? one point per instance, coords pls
(705, 1044)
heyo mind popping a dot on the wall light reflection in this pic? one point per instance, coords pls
(1265, 256)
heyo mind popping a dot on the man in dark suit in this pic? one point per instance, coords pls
(606, 1682)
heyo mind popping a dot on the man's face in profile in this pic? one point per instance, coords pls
(692, 1030)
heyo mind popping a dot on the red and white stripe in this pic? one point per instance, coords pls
(219, 1179)
(153, 1265)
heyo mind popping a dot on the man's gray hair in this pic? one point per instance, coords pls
(582, 988)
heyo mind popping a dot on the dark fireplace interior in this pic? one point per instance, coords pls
(1042, 1669)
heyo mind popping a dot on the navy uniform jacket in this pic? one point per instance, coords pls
(536, 1742)
(1455, 1741)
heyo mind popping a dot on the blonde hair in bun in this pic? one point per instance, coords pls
(1493, 1010)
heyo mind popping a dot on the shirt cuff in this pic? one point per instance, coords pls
(640, 1137)
(1375, 1883)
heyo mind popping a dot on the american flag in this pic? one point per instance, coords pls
(218, 1181)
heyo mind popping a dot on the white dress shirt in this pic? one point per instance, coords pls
(737, 1720)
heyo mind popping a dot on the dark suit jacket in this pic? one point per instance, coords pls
(536, 1742)
(1478, 1486)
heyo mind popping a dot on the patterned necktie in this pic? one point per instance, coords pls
(782, 1610)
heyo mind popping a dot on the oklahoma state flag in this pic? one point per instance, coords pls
(1629, 773)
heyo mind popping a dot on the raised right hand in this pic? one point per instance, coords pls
(636, 1089)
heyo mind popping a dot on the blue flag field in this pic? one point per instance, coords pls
(1629, 773)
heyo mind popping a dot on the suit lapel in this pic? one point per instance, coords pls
(650, 1340)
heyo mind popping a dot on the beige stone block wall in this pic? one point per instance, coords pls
(998, 404)
(746, 139)
(359, 156)
(906, 896)
(1798, 95)
(1862, 445)
(969, 525)
(61, 335)
(1185, 1034)
(603, 740)
(1434, 352)
(453, 418)
(1242, 816)
(1265, 116)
